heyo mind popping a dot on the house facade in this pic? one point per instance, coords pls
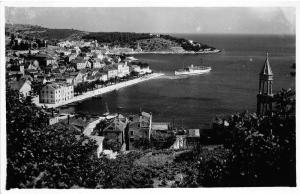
(80, 63)
(116, 130)
(139, 128)
(97, 64)
(50, 61)
(102, 76)
(111, 71)
(79, 78)
(144, 70)
(123, 69)
(54, 93)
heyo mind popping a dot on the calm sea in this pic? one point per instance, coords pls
(194, 101)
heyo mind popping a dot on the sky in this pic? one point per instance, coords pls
(204, 20)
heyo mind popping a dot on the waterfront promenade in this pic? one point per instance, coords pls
(99, 91)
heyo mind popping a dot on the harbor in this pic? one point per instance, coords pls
(99, 91)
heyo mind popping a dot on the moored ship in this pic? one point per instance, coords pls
(193, 70)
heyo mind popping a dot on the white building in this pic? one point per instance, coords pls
(145, 70)
(111, 71)
(102, 76)
(136, 68)
(56, 93)
(65, 44)
(98, 55)
(81, 63)
(123, 69)
(97, 64)
(141, 69)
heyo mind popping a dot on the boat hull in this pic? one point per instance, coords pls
(194, 72)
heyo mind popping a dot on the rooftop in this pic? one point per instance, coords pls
(266, 70)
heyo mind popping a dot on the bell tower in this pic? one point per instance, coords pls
(265, 93)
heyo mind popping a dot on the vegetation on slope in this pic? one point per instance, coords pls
(257, 151)
(117, 37)
(30, 31)
(147, 41)
(157, 44)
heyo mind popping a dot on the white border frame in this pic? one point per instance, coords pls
(134, 3)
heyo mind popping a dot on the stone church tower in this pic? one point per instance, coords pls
(265, 94)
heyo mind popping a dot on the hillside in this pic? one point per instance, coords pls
(31, 31)
(145, 41)
(157, 44)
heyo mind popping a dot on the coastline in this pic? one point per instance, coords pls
(171, 52)
(99, 91)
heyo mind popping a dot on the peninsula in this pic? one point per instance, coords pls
(115, 42)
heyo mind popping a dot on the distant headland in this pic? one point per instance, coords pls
(118, 42)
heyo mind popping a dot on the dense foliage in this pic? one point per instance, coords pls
(256, 151)
(29, 32)
(41, 156)
(111, 144)
(158, 141)
(25, 44)
(162, 140)
(116, 37)
(60, 33)
(261, 148)
(186, 45)
(141, 64)
(123, 39)
(36, 87)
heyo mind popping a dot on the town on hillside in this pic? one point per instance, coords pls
(119, 109)
(53, 76)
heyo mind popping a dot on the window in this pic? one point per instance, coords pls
(131, 133)
(131, 139)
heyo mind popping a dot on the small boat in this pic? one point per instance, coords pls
(119, 108)
(193, 70)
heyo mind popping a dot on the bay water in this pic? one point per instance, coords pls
(194, 101)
